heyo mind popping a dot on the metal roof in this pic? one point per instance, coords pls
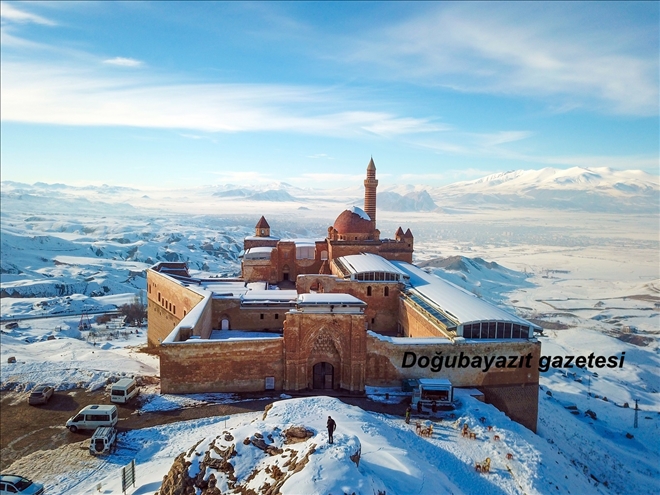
(453, 300)
(361, 263)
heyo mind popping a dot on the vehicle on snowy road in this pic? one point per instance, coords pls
(11, 483)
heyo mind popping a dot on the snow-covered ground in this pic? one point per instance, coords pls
(394, 459)
(54, 351)
(592, 278)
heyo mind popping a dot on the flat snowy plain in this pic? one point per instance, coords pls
(592, 277)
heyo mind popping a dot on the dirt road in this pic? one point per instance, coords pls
(25, 429)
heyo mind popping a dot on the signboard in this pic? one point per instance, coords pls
(270, 383)
(128, 476)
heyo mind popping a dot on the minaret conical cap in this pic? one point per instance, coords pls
(372, 165)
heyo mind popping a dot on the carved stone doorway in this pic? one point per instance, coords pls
(323, 376)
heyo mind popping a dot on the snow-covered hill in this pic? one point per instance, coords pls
(485, 279)
(249, 453)
(56, 254)
(393, 459)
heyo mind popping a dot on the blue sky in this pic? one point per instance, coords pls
(177, 94)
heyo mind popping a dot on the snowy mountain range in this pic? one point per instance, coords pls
(581, 189)
(590, 189)
(412, 201)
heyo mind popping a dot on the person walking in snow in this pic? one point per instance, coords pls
(331, 428)
(408, 411)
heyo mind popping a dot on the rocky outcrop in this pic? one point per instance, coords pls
(214, 466)
(296, 434)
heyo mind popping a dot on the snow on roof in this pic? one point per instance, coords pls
(221, 286)
(263, 249)
(305, 243)
(453, 300)
(261, 238)
(257, 253)
(231, 335)
(361, 263)
(407, 341)
(231, 288)
(270, 296)
(359, 211)
(329, 298)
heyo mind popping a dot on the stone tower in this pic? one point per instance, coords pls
(262, 229)
(370, 185)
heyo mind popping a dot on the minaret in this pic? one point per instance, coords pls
(370, 185)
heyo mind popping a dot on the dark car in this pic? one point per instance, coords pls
(10, 483)
(40, 395)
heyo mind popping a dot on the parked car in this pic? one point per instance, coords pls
(10, 483)
(124, 390)
(103, 440)
(41, 394)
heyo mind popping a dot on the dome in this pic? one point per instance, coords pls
(353, 221)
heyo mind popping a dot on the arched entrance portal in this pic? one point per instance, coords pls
(324, 376)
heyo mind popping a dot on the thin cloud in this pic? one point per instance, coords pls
(123, 62)
(529, 50)
(489, 146)
(321, 155)
(502, 137)
(9, 13)
(73, 96)
(389, 127)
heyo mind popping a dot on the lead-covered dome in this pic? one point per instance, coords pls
(353, 221)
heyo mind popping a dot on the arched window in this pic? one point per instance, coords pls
(386, 291)
(369, 291)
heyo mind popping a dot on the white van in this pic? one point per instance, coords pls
(103, 440)
(91, 417)
(123, 390)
